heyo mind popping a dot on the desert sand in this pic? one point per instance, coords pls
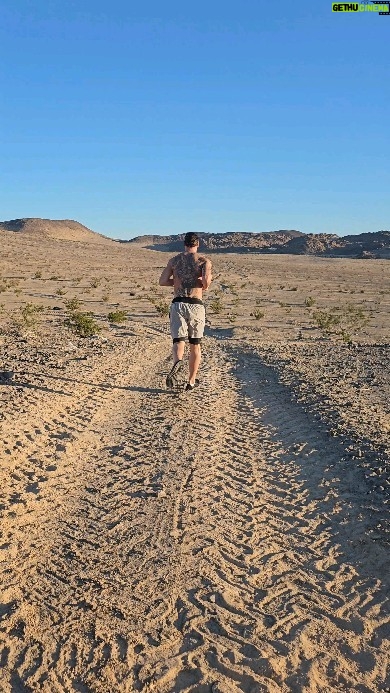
(231, 539)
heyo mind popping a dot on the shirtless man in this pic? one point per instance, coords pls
(190, 274)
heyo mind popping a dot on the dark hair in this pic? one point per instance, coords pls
(191, 239)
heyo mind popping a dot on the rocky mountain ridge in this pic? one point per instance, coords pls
(364, 245)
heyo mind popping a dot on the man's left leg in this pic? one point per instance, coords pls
(196, 323)
(194, 362)
(178, 350)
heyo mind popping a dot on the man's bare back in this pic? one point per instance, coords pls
(187, 269)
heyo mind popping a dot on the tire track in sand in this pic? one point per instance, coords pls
(215, 545)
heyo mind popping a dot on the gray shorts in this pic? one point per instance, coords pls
(187, 319)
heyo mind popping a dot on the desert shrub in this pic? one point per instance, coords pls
(60, 292)
(162, 308)
(232, 317)
(326, 320)
(346, 337)
(54, 278)
(257, 314)
(216, 305)
(309, 301)
(72, 304)
(37, 275)
(117, 316)
(106, 297)
(342, 321)
(95, 282)
(24, 318)
(82, 324)
(3, 287)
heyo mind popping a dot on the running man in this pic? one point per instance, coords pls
(190, 274)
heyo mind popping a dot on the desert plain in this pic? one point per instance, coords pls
(232, 539)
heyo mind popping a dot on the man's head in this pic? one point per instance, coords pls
(191, 240)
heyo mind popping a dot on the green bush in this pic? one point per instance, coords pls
(72, 304)
(326, 320)
(342, 321)
(29, 314)
(162, 308)
(82, 324)
(25, 318)
(117, 316)
(216, 305)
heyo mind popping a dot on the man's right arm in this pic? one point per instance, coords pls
(206, 275)
(166, 278)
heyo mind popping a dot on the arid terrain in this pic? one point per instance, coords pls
(232, 539)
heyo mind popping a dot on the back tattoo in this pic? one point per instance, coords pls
(188, 268)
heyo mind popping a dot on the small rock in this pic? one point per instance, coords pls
(6, 376)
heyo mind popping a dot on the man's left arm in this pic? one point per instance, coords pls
(166, 278)
(206, 275)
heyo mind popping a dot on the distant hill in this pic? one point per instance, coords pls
(230, 242)
(364, 245)
(64, 229)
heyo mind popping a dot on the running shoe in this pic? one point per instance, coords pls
(171, 379)
(190, 387)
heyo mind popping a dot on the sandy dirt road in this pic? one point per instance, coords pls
(213, 541)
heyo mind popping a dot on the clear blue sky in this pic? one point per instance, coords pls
(165, 117)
